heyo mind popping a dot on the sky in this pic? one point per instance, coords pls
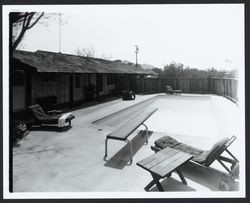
(199, 35)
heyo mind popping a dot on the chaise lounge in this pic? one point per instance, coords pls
(205, 158)
(51, 117)
(169, 90)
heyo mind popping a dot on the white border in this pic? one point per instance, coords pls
(95, 195)
(5, 78)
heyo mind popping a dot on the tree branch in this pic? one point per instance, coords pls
(25, 19)
(38, 18)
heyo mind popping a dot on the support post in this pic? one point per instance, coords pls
(146, 132)
(131, 150)
(106, 148)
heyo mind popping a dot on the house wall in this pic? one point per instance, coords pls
(93, 79)
(79, 91)
(124, 82)
(107, 88)
(104, 85)
(18, 98)
(18, 90)
(62, 88)
(57, 86)
(111, 88)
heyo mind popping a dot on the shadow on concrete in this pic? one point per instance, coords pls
(121, 158)
(50, 128)
(172, 185)
(209, 177)
(85, 104)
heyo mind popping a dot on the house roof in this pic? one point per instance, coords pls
(151, 72)
(44, 61)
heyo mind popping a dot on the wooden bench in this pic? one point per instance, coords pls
(125, 130)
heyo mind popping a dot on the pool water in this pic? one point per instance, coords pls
(206, 118)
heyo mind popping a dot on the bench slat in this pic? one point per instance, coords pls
(123, 131)
(152, 157)
(164, 162)
(160, 158)
(168, 165)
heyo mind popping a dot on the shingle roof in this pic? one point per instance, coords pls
(44, 61)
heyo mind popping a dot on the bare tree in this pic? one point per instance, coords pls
(90, 52)
(106, 57)
(20, 23)
(85, 51)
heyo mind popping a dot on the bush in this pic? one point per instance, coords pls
(19, 130)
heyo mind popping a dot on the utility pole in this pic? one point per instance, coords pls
(61, 21)
(60, 24)
(136, 53)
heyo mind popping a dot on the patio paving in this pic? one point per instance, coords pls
(72, 160)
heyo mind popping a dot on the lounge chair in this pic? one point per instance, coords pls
(205, 158)
(169, 90)
(128, 95)
(53, 117)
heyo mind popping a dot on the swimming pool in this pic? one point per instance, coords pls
(186, 116)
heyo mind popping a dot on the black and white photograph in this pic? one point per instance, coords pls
(124, 101)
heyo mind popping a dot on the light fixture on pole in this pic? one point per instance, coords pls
(136, 53)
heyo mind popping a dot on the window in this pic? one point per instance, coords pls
(77, 81)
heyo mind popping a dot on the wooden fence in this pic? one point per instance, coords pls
(218, 86)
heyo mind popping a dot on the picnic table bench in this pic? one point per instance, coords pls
(126, 129)
(162, 164)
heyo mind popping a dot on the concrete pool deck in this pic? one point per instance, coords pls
(72, 160)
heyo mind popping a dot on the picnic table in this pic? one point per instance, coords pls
(162, 164)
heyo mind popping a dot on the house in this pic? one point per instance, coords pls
(67, 78)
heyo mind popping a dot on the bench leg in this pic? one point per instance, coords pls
(131, 150)
(220, 161)
(148, 186)
(158, 184)
(181, 176)
(106, 148)
(146, 132)
(234, 158)
(233, 161)
(152, 183)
